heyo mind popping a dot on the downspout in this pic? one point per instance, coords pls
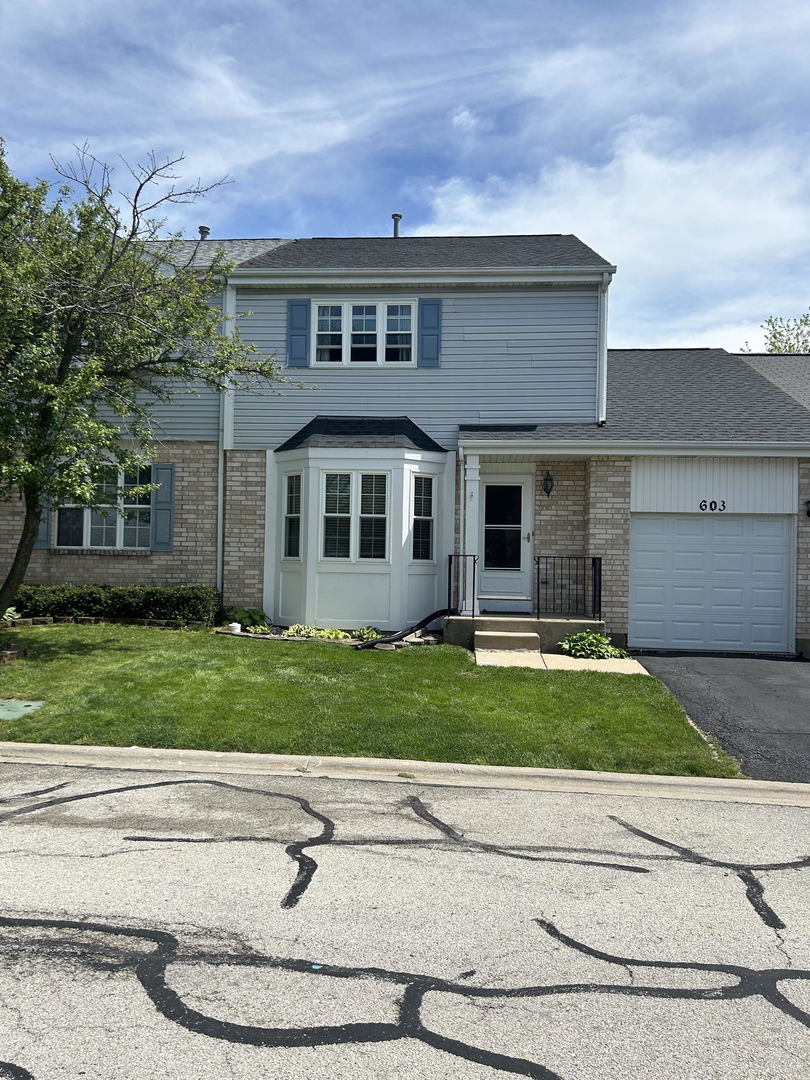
(601, 352)
(224, 434)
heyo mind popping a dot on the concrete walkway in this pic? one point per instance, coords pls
(555, 662)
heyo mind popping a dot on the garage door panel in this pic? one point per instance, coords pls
(653, 560)
(726, 562)
(728, 634)
(710, 581)
(725, 598)
(687, 561)
(768, 563)
(727, 527)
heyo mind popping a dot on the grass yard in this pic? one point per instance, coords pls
(124, 686)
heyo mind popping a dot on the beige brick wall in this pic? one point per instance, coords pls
(803, 562)
(559, 519)
(607, 524)
(243, 569)
(192, 562)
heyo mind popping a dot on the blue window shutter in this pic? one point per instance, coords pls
(43, 539)
(163, 508)
(430, 333)
(298, 333)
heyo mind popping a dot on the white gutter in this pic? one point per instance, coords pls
(225, 433)
(601, 352)
(598, 447)
(569, 275)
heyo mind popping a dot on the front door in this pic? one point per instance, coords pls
(506, 544)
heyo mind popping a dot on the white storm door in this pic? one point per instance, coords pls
(506, 546)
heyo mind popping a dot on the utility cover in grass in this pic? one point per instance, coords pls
(13, 710)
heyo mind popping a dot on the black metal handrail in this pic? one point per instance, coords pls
(568, 585)
(461, 572)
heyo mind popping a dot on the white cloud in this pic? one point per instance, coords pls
(706, 241)
(465, 120)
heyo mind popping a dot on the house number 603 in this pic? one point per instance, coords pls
(712, 505)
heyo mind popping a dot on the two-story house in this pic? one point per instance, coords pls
(453, 425)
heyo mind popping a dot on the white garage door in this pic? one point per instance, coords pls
(700, 581)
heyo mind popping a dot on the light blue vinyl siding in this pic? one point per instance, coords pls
(188, 416)
(508, 356)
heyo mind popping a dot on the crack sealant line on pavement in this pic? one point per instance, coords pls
(387, 770)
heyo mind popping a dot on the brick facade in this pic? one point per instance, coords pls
(192, 562)
(559, 519)
(607, 529)
(245, 488)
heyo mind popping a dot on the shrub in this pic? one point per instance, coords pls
(260, 629)
(300, 630)
(186, 603)
(9, 615)
(588, 645)
(246, 616)
(366, 633)
(328, 634)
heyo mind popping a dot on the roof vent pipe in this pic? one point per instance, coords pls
(397, 218)
(204, 231)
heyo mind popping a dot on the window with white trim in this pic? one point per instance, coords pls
(367, 332)
(292, 517)
(337, 519)
(355, 515)
(124, 522)
(373, 515)
(422, 518)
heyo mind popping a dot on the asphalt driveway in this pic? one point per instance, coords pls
(759, 709)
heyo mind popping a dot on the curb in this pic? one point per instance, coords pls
(392, 770)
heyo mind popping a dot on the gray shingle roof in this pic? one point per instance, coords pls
(789, 371)
(201, 252)
(377, 432)
(428, 252)
(679, 395)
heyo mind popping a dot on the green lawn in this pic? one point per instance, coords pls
(125, 686)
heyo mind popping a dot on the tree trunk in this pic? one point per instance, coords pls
(33, 512)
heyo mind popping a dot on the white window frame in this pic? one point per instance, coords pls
(286, 515)
(421, 517)
(346, 332)
(354, 515)
(117, 511)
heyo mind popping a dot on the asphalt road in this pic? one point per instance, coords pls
(187, 926)
(759, 709)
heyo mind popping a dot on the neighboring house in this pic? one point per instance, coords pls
(454, 397)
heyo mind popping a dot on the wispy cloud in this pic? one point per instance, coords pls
(672, 137)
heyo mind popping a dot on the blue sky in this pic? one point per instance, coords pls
(674, 138)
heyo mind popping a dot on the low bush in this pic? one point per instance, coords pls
(246, 616)
(589, 645)
(261, 628)
(366, 633)
(186, 603)
(330, 633)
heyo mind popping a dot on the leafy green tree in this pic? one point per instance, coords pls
(100, 320)
(787, 335)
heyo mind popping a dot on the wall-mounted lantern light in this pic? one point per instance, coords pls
(548, 486)
(807, 506)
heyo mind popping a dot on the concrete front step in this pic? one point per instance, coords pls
(462, 629)
(505, 640)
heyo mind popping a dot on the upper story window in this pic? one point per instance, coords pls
(364, 333)
(125, 522)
